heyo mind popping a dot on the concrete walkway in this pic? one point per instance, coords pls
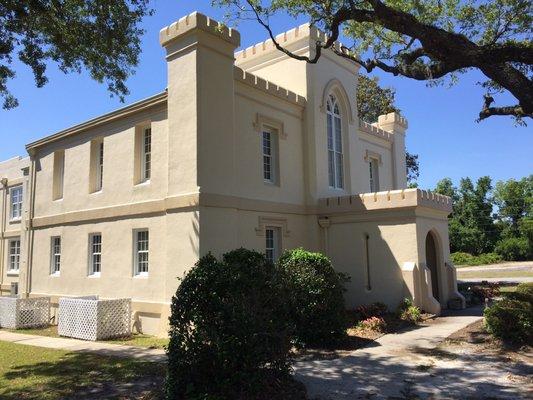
(108, 349)
(391, 367)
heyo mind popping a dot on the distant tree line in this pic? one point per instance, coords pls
(491, 219)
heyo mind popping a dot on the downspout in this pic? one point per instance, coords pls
(3, 181)
(30, 222)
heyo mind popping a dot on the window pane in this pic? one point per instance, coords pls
(142, 247)
(56, 255)
(96, 254)
(147, 153)
(14, 255)
(272, 243)
(331, 168)
(16, 202)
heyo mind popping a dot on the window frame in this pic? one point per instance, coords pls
(19, 204)
(146, 155)
(55, 257)
(13, 258)
(137, 272)
(273, 234)
(335, 148)
(273, 156)
(95, 254)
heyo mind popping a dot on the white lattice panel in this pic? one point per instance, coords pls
(91, 319)
(18, 313)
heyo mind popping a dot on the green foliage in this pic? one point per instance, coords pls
(523, 292)
(511, 320)
(513, 249)
(102, 36)
(316, 297)
(374, 100)
(474, 227)
(230, 329)
(407, 311)
(425, 40)
(460, 258)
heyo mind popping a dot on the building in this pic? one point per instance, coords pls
(250, 149)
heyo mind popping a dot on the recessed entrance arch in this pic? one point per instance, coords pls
(432, 262)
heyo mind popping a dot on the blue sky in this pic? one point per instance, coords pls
(442, 127)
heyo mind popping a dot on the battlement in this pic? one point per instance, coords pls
(375, 131)
(392, 199)
(392, 122)
(198, 21)
(286, 38)
(268, 87)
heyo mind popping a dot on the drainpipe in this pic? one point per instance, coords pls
(325, 223)
(3, 182)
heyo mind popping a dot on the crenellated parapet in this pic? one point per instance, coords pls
(375, 131)
(305, 31)
(393, 199)
(392, 122)
(202, 22)
(268, 87)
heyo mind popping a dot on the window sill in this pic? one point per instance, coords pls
(94, 275)
(55, 275)
(13, 272)
(143, 183)
(142, 275)
(15, 220)
(270, 183)
(97, 192)
(57, 200)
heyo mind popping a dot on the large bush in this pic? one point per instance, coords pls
(229, 330)
(511, 320)
(316, 296)
(513, 249)
(460, 258)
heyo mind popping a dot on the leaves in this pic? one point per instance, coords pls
(101, 36)
(428, 40)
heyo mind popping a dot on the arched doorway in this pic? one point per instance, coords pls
(432, 264)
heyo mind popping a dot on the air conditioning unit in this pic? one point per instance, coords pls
(14, 289)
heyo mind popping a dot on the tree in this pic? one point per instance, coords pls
(102, 36)
(425, 40)
(515, 202)
(472, 228)
(373, 101)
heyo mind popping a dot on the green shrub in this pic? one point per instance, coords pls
(460, 258)
(523, 292)
(511, 320)
(229, 329)
(513, 249)
(407, 311)
(316, 296)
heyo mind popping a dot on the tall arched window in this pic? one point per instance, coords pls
(334, 130)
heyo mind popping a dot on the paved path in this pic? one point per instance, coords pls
(116, 350)
(510, 280)
(510, 266)
(394, 367)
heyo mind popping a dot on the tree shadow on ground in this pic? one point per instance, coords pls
(83, 376)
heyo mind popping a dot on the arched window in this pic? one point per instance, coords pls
(334, 131)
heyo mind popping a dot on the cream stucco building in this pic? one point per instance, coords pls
(250, 149)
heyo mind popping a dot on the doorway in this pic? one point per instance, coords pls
(432, 264)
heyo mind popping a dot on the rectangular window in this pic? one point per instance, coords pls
(269, 145)
(373, 167)
(95, 254)
(141, 252)
(272, 243)
(97, 165)
(147, 154)
(16, 202)
(335, 157)
(55, 259)
(59, 174)
(14, 255)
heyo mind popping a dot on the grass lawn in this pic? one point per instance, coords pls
(28, 372)
(493, 274)
(137, 340)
